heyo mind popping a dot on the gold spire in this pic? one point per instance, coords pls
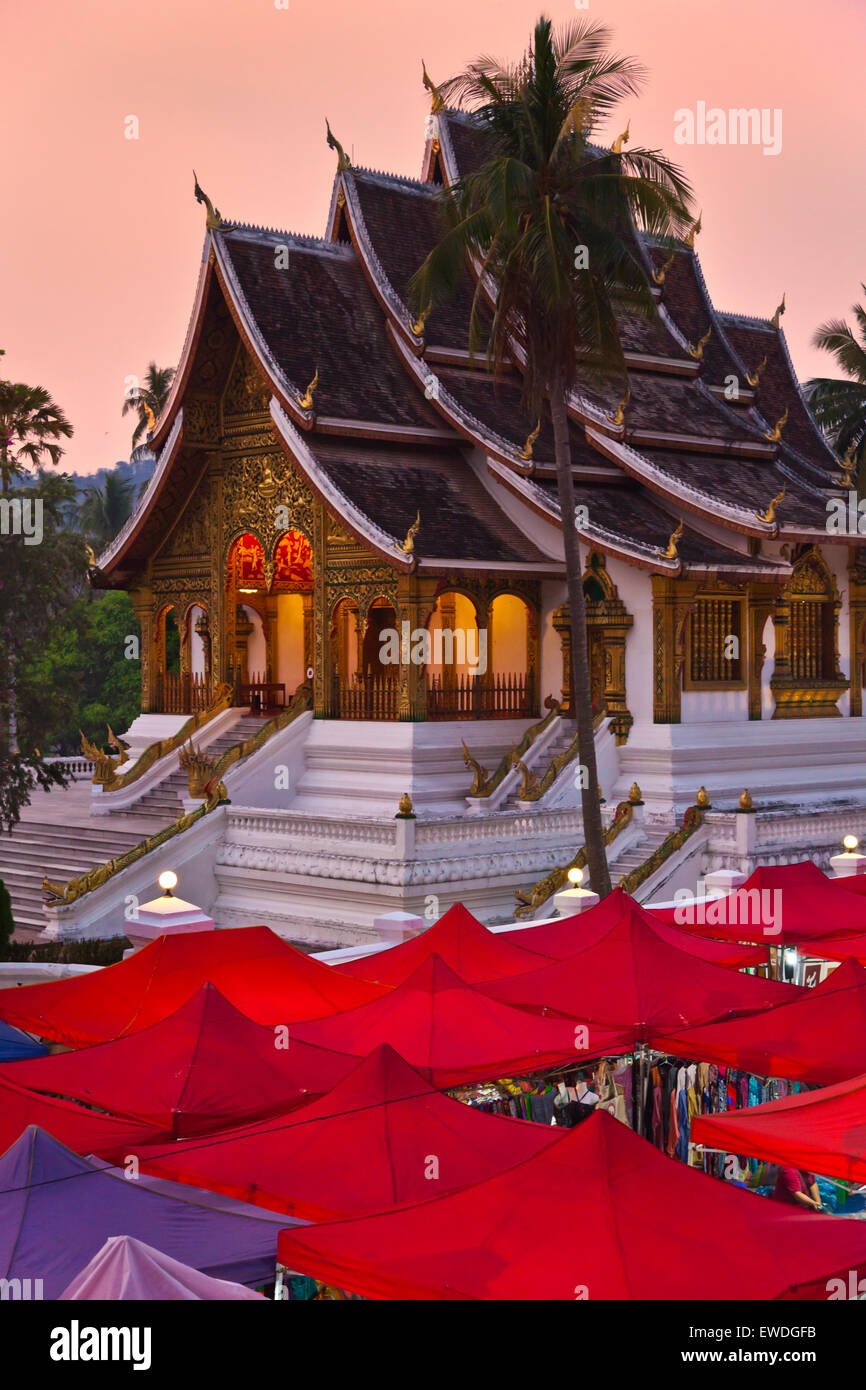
(618, 418)
(621, 140)
(703, 798)
(408, 545)
(698, 352)
(777, 317)
(306, 401)
(676, 536)
(634, 794)
(659, 275)
(769, 515)
(695, 229)
(436, 101)
(526, 451)
(746, 800)
(343, 161)
(775, 434)
(214, 219)
(754, 377)
(151, 418)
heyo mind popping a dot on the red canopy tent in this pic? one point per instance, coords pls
(822, 1131)
(633, 978)
(461, 941)
(452, 1033)
(819, 1038)
(82, 1130)
(262, 975)
(568, 935)
(776, 904)
(599, 1215)
(204, 1067)
(836, 948)
(853, 883)
(381, 1138)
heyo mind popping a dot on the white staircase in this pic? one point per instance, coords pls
(164, 802)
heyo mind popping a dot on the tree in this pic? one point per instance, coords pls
(147, 401)
(839, 406)
(543, 195)
(102, 511)
(31, 426)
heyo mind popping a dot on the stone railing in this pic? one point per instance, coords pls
(536, 896)
(484, 784)
(220, 703)
(303, 700)
(692, 821)
(75, 765)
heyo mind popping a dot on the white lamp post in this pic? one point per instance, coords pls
(849, 862)
(574, 899)
(165, 916)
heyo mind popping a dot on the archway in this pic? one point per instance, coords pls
(292, 597)
(511, 679)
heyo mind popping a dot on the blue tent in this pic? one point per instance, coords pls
(15, 1046)
(57, 1210)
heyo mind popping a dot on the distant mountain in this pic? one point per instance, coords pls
(136, 471)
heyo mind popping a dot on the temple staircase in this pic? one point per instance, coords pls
(164, 802)
(51, 849)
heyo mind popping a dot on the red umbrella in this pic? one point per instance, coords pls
(461, 941)
(381, 1138)
(262, 975)
(204, 1067)
(452, 1033)
(822, 1131)
(633, 978)
(568, 935)
(600, 1215)
(819, 1038)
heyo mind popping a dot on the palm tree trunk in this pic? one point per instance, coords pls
(596, 858)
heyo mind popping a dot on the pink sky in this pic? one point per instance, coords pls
(101, 238)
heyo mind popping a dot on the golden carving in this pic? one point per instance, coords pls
(479, 777)
(660, 275)
(634, 794)
(746, 800)
(408, 546)
(621, 140)
(698, 352)
(405, 807)
(557, 878)
(526, 451)
(754, 377)
(199, 768)
(694, 231)
(306, 400)
(214, 220)
(343, 161)
(770, 514)
(670, 553)
(437, 102)
(703, 798)
(777, 317)
(618, 417)
(775, 434)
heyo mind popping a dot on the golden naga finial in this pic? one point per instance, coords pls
(754, 377)
(418, 325)
(849, 466)
(437, 102)
(616, 147)
(777, 317)
(306, 400)
(214, 219)
(659, 275)
(698, 352)
(695, 229)
(115, 742)
(91, 558)
(769, 516)
(775, 434)
(151, 418)
(676, 536)
(408, 546)
(526, 451)
(343, 161)
(618, 417)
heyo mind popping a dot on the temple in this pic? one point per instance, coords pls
(348, 574)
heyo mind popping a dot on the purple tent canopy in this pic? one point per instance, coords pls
(128, 1269)
(57, 1210)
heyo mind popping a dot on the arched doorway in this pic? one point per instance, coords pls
(510, 668)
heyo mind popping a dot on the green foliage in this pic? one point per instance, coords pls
(103, 511)
(153, 393)
(31, 427)
(94, 951)
(839, 405)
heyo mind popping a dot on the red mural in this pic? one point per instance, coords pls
(246, 567)
(293, 563)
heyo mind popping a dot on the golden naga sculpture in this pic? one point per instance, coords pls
(694, 230)
(616, 147)
(670, 553)
(769, 516)
(698, 352)
(529, 783)
(849, 466)
(199, 768)
(754, 377)
(118, 743)
(408, 546)
(776, 320)
(479, 773)
(526, 451)
(214, 220)
(660, 274)
(775, 434)
(437, 102)
(618, 417)
(343, 161)
(703, 799)
(306, 400)
(104, 766)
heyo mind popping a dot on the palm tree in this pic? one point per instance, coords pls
(149, 399)
(840, 406)
(103, 510)
(544, 191)
(31, 425)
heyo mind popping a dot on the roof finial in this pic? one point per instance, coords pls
(618, 417)
(418, 325)
(676, 536)
(754, 377)
(698, 352)
(343, 161)
(214, 218)
(408, 546)
(693, 232)
(775, 434)
(849, 464)
(526, 451)
(151, 418)
(769, 516)
(437, 102)
(659, 275)
(306, 401)
(777, 317)
(621, 140)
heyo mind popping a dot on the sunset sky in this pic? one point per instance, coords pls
(101, 237)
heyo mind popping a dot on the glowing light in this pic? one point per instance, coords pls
(248, 591)
(575, 876)
(850, 842)
(167, 880)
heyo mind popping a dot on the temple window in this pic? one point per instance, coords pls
(715, 654)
